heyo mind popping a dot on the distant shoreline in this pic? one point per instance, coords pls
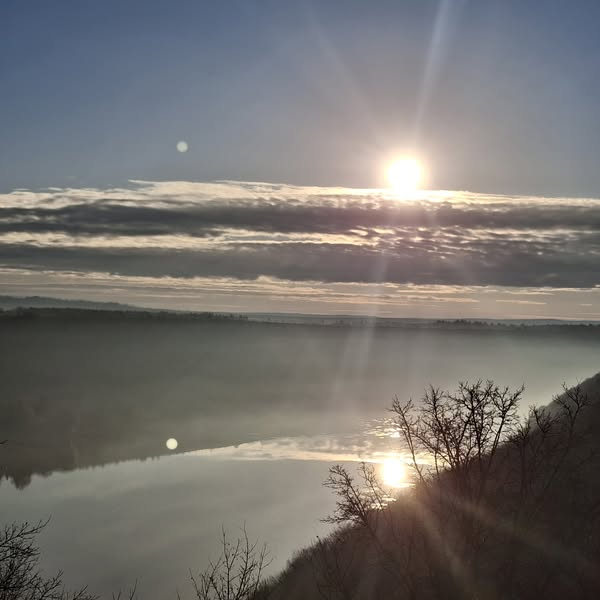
(134, 314)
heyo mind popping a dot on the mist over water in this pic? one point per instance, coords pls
(258, 411)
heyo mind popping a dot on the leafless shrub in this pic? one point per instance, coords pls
(236, 574)
(499, 498)
(20, 575)
(460, 431)
(131, 594)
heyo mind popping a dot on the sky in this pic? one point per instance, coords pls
(290, 112)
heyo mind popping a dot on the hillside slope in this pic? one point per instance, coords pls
(533, 531)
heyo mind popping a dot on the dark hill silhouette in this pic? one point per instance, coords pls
(12, 302)
(534, 532)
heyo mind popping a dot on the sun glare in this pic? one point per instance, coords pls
(393, 473)
(405, 174)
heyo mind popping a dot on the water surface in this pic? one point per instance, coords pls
(260, 412)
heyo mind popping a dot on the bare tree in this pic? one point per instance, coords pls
(236, 574)
(497, 497)
(20, 575)
(131, 594)
(368, 506)
(460, 431)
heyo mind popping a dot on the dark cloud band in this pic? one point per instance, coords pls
(295, 234)
(109, 218)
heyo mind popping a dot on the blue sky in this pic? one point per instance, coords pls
(501, 97)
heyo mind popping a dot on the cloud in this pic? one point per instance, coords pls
(274, 295)
(249, 230)
(371, 445)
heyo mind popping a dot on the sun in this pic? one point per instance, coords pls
(393, 473)
(405, 174)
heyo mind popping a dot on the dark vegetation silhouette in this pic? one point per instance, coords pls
(18, 309)
(20, 575)
(500, 506)
(503, 507)
(236, 574)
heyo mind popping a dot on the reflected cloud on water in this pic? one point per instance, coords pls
(378, 443)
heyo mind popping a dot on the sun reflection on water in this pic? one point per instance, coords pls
(393, 472)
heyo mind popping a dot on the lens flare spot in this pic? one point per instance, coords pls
(182, 146)
(171, 443)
